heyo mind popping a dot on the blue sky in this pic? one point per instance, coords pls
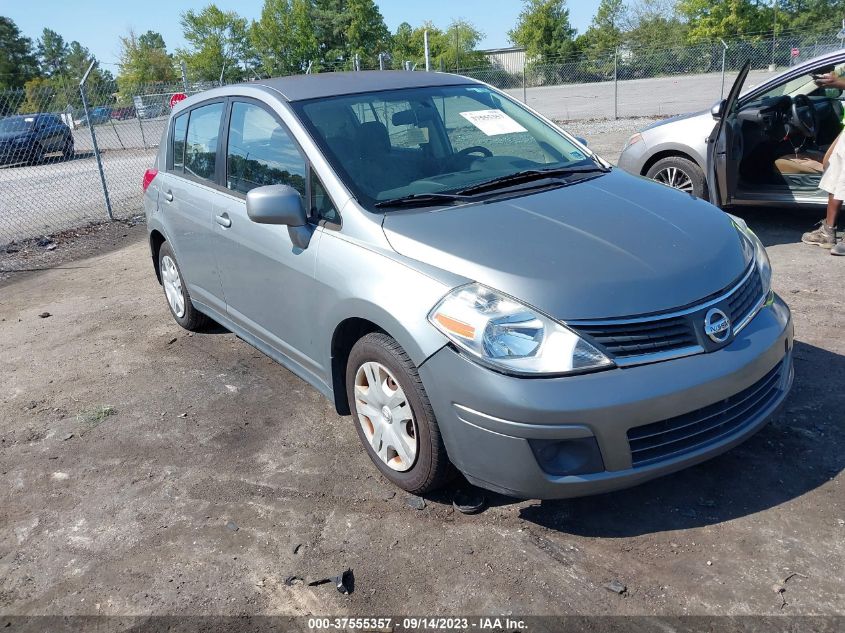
(97, 24)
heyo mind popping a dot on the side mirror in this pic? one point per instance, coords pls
(582, 140)
(280, 204)
(717, 109)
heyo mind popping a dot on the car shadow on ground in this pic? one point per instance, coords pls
(51, 159)
(801, 449)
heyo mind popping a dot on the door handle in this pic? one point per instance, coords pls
(168, 195)
(223, 220)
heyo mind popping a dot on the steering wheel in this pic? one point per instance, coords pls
(473, 150)
(803, 117)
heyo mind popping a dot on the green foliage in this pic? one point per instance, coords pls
(218, 44)
(606, 31)
(544, 30)
(17, 60)
(811, 17)
(451, 49)
(726, 19)
(345, 28)
(283, 38)
(144, 59)
(52, 53)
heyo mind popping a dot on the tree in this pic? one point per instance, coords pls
(283, 38)
(456, 48)
(17, 61)
(52, 53)
(709, 20)
(654, 24)
(811, 17)
(605, 33)
(544, 30)
(218, 44)
(144, 59)
(345, 28)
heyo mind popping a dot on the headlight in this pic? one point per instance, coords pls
(502, 333)
(761, 257)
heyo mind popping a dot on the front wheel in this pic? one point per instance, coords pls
(393, 416)
(679, 173)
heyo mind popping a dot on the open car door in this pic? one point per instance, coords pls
(724, 146)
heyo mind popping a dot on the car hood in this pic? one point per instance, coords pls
(613, 246)
(675, 119)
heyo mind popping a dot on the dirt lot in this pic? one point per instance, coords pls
(144, 470)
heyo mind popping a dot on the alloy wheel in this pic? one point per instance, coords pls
(675, 178)
(385, 416)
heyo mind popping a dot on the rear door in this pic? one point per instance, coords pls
(187, 199)
(724, 146)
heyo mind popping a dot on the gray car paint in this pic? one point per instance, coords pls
(589, 249)
(686, 135)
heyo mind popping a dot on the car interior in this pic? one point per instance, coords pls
(785, 133)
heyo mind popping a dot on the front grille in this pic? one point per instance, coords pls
(696, 429)
(639, 338)
(646, 337)
(744, 298)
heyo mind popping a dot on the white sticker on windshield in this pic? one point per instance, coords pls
(493, 122)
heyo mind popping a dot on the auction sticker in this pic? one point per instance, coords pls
(493, 122)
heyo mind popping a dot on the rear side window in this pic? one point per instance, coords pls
(261, 152)
(201, 141)
(180, 128)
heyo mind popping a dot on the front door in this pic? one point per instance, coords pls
(724, 147)
(268, 282)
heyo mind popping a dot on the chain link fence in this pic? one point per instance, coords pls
(72, 154)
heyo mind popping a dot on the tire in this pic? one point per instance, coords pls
(188, 317)
(680, 171)
(68, 150)
(430, 468)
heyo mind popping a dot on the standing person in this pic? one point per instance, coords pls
(833, 182)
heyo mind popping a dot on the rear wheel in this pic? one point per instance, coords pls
(393, 416)
(178, 298)
(679, 173)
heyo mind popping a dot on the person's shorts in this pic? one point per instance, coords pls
(833, 179)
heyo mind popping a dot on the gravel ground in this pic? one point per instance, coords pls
(145, 470)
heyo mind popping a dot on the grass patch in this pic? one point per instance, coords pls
(92, 418)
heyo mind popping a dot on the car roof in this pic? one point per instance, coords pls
(302, 87)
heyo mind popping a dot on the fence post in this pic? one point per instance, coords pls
(94, 138)
(381, 61)
(616, 83)
(524, 87)
(427, 52)
(724, 53)
(184, 76)
(141, 125)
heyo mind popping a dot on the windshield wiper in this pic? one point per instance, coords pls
(529, 175)
(421, 199)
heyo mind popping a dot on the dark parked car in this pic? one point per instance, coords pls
(28, 138)
(98, 115)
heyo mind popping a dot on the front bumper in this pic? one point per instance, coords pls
(487, 418)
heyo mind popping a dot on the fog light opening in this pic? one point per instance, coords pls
(568, 457)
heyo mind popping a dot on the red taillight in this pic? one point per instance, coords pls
(148, 177)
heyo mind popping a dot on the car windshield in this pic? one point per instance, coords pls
(433, 140)
(16, 124)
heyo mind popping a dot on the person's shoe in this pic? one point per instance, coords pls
(824, 236)
(839, 249)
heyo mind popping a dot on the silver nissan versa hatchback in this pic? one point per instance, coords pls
(468, 281)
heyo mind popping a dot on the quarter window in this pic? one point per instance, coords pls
(180, 127)
(322, 207)
(261, 152)
(201, 142)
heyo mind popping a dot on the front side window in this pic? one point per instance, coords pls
(432, 140)
(261, 152)
(201, 141)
